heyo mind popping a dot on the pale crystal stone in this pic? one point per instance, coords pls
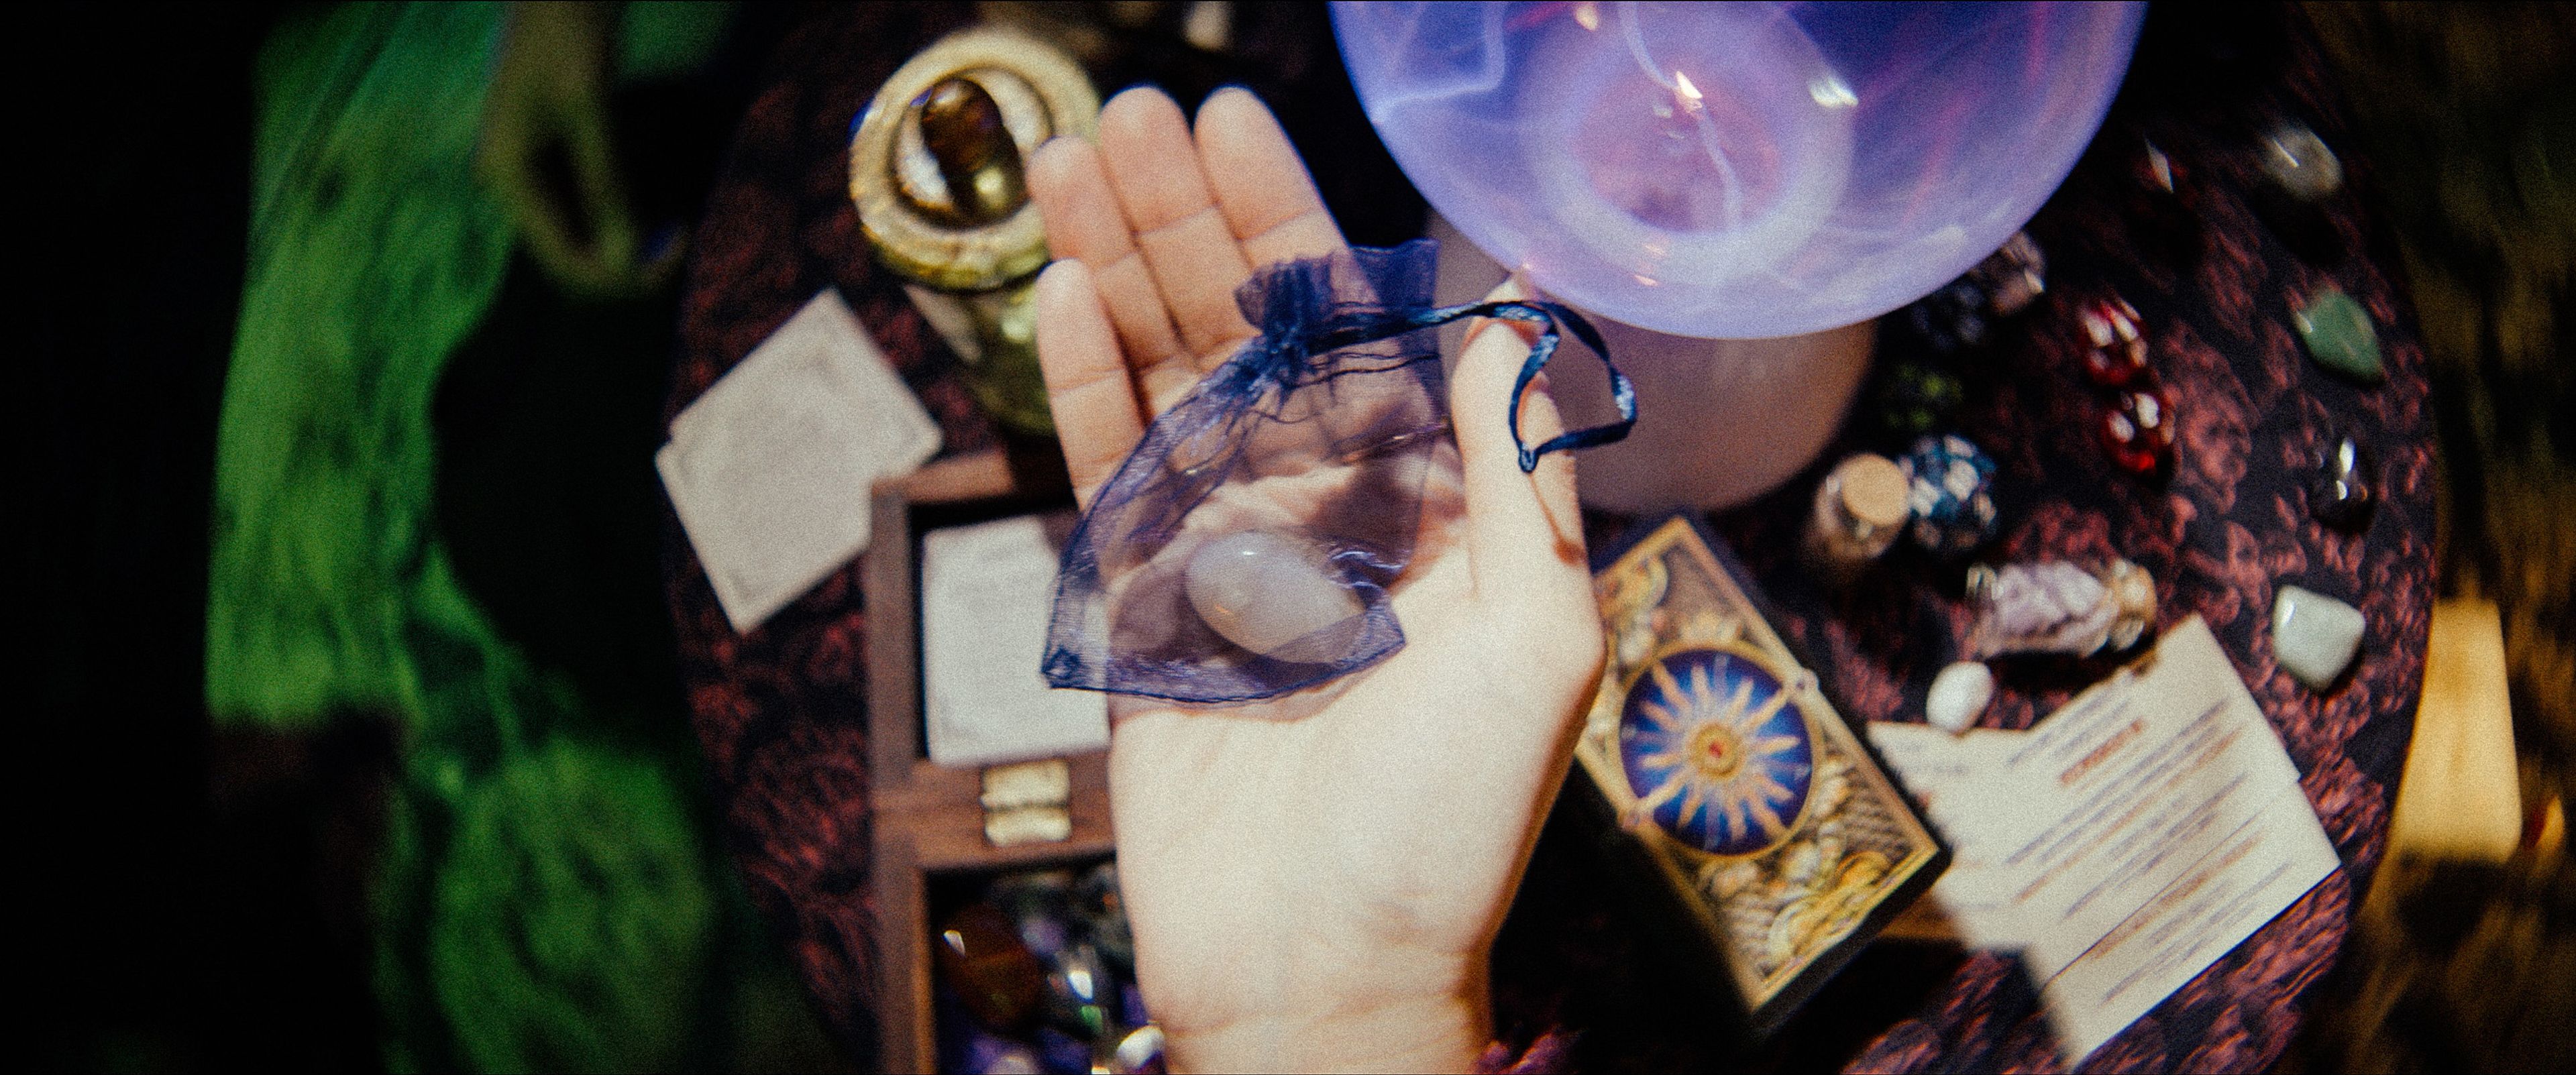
(1959, 695)
(1269, 595)
(2314, 635)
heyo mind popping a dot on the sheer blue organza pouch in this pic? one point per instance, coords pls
(1246, 548)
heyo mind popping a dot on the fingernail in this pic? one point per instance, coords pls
(1153, 88)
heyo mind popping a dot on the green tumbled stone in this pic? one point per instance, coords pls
(2339, 335)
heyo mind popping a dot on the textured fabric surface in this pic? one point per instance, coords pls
(540, 899)
(779, 710)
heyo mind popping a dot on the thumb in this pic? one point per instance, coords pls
(1524, 531)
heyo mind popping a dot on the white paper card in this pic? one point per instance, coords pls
(1949, 776)
(987, 591)
(770, 469)
(2127, 842)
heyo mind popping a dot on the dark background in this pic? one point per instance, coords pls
(140, 153)
(197, 898)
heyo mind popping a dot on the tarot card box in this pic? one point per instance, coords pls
(1747, 818)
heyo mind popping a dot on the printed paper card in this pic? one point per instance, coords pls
(2126, 842)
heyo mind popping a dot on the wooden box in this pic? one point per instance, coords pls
(929, 819)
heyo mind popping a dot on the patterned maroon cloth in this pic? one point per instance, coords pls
(779, 711)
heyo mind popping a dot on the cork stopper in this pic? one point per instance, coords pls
(1873, 489)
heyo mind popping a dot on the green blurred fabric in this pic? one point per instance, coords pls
(543, 899)
(372, 255)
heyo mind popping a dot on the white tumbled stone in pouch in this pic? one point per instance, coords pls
(2314, 635)
(1268, 595)
(1959, 696)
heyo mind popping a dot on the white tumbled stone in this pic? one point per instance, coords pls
(1959, 696)
(1268, 595)
(2314, 636)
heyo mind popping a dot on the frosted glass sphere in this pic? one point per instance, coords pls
(1737, 170)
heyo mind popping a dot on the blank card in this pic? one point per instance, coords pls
(769, 470)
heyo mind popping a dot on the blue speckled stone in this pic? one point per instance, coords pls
(1951, 494)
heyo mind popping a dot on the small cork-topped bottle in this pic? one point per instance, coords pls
(1860, 509)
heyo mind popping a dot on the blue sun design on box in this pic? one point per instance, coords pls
(1717, 750)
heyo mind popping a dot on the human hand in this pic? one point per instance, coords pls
(1314, 890)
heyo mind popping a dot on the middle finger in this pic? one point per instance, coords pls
(1153, 166)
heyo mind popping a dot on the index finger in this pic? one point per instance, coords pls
(1094, 404)
(1084, 221)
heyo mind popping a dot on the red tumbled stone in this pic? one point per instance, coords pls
(2138, 430)
(2115, 353)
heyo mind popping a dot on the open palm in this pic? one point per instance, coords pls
(1314, 881)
